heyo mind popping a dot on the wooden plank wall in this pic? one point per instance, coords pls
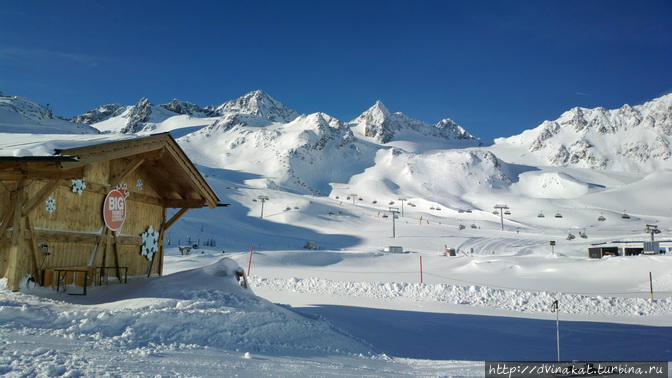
(82, 213)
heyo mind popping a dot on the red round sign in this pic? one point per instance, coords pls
(114, 210)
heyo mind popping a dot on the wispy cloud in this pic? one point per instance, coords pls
(21, 54)
(579, 93)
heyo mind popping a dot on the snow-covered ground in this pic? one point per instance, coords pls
(347, 307)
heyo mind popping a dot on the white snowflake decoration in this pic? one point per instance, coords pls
(50, 205)
(78, 186)
(150, 239)
(139, 184)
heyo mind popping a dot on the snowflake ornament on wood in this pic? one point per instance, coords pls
(78, 186)
(139, 184)
(50, 205)
(150, 240)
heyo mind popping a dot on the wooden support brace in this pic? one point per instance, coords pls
(129, 169)
(33, 246)
(31, 203)
(7, 220)
(174, 218)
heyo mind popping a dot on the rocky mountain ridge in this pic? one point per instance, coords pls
(627, 138)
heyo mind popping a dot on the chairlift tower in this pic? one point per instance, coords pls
(394, 211)
(501, 208)
(263, 199)
(402, 205)
(652, 229)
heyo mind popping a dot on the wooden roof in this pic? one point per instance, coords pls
(158, 156)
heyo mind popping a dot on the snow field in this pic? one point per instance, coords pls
(479, 296)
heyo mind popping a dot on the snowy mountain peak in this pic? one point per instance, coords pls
(382, 126)
(138, 116)
(99, 114)
(257, 103)
(20, 115)
(456, 130)
(183, 107)
(627, 138)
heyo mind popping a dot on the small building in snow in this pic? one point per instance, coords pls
(629, 248)
(94, 209)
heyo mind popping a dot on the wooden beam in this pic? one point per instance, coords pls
(162, 238)
(194, 175)
(174, 218)
(15, 262)
(116, 256)
(183, 203)
(78, 237)
(111, 151)
(7, 218)
(132, 166)
(33, 247)
(94, 187)
(30, 204)
(40, 174)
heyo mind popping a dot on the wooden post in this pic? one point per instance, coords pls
(116, 256)
(651, 285)
(7, 220)
(37, 275)
(162, 232)
(15, 263)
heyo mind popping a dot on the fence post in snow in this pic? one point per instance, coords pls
(555, 307)
(249, 263)
(420, 269)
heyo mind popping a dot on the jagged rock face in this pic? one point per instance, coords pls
(625, 138)
(138, 116)
(382, 125)
(99, 114)
(452, 129)
(182, 107)
(303, 155)
(258, 104)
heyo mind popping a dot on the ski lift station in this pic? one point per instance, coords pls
(630, 248)
(93, 210)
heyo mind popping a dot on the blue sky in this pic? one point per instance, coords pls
(495, 67)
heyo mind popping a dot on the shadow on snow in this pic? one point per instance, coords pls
(425, 335)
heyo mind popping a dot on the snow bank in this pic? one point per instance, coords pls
(505, 299)
(196, 308)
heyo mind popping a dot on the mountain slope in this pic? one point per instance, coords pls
(303, 155)
(20, 115)
(378, 125)
(258, 104)
(145, 117)
(631, 138)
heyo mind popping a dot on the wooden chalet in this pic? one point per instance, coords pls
(98, 209)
